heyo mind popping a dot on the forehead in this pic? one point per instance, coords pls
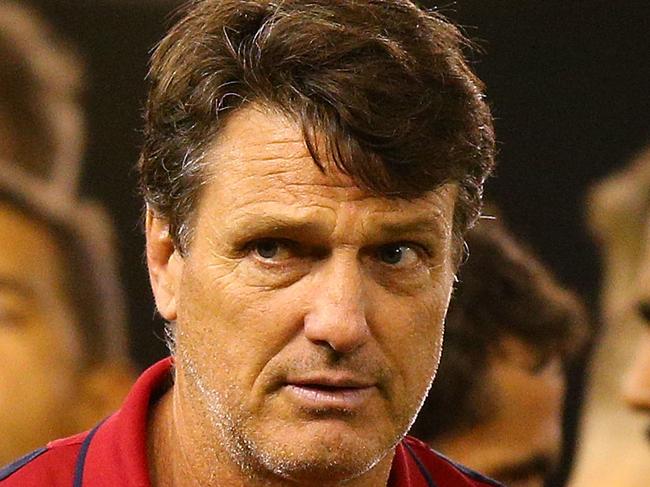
(260, 158)
(258, 142)
(29, 254)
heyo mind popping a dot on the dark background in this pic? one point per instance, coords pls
(568, 82)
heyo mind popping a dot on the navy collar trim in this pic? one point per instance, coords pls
(5, 472)
(81, 458)
(423, 470)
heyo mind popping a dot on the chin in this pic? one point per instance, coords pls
(336, 467)
(336, 457)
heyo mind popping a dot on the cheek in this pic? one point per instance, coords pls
(231, 327)
(410, 333)
(416, 328)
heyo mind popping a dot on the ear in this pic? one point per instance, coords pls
(165, 265)
(101, 392)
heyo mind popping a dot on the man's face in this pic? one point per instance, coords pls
(518, 442)
(637, 381)
(38, 342)
(308, 312)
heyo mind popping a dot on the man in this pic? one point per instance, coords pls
(309, 170)
(496, 404)
(619, 216)
(63, 359)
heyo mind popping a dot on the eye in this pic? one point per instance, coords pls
(644, 311)
(11, 318)
(399, 254)
(540, 362)
(14, 309)
(269, 249)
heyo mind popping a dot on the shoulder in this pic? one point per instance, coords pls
(444, 471)
(52, 465)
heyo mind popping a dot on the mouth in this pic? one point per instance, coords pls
(330, 393)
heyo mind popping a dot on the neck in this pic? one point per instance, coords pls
(180, 455)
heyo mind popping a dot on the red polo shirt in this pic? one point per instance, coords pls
(114, 453)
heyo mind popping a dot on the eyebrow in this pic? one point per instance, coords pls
(13, 285)
(270, 225)
(418, 226)
(535, 466)
(274, 225)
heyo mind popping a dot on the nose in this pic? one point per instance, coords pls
(636, 385)
(337, 316)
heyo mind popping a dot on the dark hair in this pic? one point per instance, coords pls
(385, 82)
(503, 291)
(83, 235)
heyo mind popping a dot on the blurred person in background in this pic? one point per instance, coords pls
(63, 359)
(619, 215)
(497, 402)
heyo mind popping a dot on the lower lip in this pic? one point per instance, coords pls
(341, 399)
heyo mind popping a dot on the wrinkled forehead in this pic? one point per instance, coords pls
(264, 130)
(260, 160)
(258, 133)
